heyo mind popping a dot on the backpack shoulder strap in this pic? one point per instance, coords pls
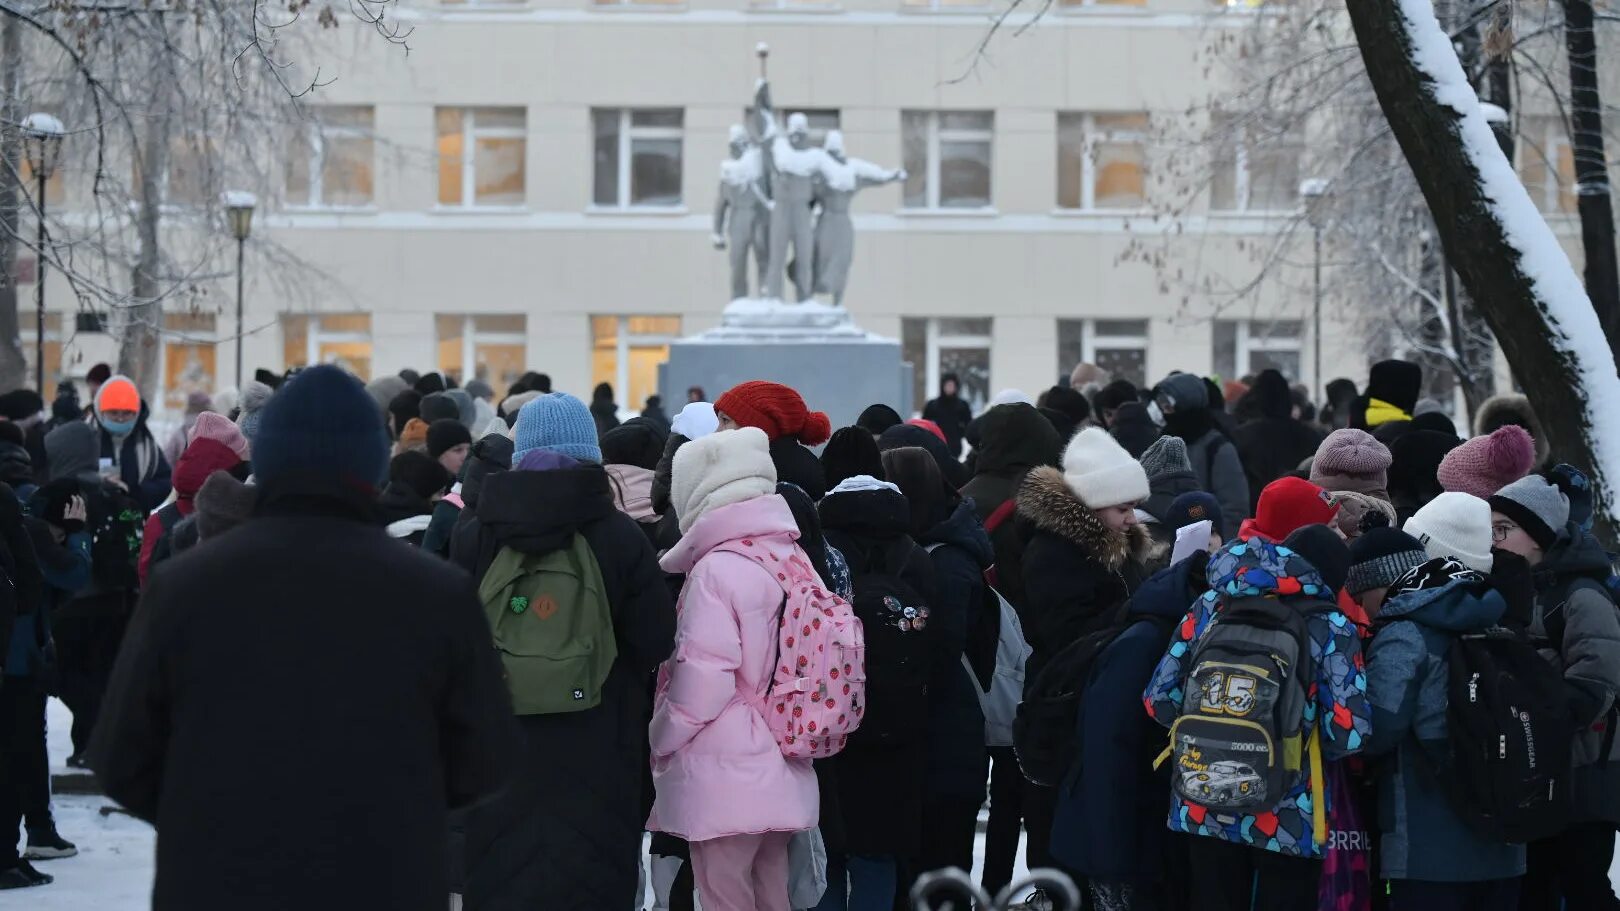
(1002, 513)
(1554, 620)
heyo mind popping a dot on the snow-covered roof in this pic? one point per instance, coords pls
(42, 124)
(238, 199)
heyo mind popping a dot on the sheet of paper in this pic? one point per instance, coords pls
(1191, 539)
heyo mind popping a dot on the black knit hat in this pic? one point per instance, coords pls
(322, 424)
(1381, 556)
(51, 501)
(429, 383)
(1324, 550)
(877, 418)
(1397, 382)
(403, 407)
(419, 472)
(20, 404)
(445, 435)
(636, 442)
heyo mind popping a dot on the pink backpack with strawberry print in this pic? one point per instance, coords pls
(818, 690)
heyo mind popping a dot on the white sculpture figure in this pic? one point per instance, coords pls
(742, 213)
(841, 178)
(794, 166)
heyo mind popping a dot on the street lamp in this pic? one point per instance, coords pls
(1315, 192)
(42, 143)
(239, 206)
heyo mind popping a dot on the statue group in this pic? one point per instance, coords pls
(784, 203)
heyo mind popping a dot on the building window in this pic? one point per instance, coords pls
(937, 346)
(1246, 347)
(1102, 161)
(947, 158)
(638, 157)
(1075, 4)
(637, 2)
(494, 345)
(626, 352)
(332, 160)
(1546, 163)
(343, 339)
(190, 178)
(937, 5)
(1256, 167)
(1118, 346)
(481, 152)
(189, 363)
(26, 323)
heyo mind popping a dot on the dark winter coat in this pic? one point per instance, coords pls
(1421, 837)
(1570, 590)
(567, 834)
(1014, 440)
(880, 788)
(1133, 428)
(1215, 460)
(25, 590)
(1162, 492)
(953, 415)
(960, 552)
(73, 455)
(296, 708)
(405, 513)
(795, 465)
(1273, 444)
(1078, 572)
(64, 569)
(140, 461)
(950, 466)
(1109, 819)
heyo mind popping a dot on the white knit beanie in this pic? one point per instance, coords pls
(718, 470)
(1100, 472)
(1456, 525)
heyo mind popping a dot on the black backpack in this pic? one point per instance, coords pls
(1043, 730)
(115, 525)
(898, 646)
(1507, 763)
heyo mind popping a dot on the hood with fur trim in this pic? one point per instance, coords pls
(1512, 408)
(1048, 502)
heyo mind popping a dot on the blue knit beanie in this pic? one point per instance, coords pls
(559, 422)
(321, 424)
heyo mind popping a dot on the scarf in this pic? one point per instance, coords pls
(1380, 412)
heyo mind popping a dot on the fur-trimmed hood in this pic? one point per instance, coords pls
(1512, 408)
(1049, 503)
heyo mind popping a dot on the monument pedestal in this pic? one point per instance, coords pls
(816, 348)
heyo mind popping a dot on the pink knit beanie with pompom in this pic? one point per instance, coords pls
(1484, 465)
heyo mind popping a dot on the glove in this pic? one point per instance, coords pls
(1513, 580)
(718, 241)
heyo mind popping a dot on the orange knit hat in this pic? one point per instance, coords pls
(118, 394)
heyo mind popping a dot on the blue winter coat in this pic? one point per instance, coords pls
(958, 766)
(1421, 838)
(1109, 821)
(1336, 704)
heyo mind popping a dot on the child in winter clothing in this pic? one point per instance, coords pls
(1484, 465)
(1267, 860)
(1354, 467)
(1377, 559)
(1575, 620)
(1188, 413)
(1286, 505)
(416, 482)
(1431, 857)
(722, 781)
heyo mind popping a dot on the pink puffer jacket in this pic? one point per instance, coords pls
(717, 769)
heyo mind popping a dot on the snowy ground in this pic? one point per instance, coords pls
(113, 871)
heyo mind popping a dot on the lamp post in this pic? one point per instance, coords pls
(42, 143)
(1314, 192)
(239, 206)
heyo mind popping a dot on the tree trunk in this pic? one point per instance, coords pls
(138, 325)
(1591, 173)
(1504, 253)
(13, 366)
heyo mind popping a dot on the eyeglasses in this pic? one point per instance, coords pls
(1500, 531)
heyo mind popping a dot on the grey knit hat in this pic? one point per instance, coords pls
(1381, 556)
(1167, 456)
(1540, 508)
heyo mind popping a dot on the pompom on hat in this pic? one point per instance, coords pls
(1483, 465)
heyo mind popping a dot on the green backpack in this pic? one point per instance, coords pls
(553, 627)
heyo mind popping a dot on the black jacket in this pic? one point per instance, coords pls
(1014, 439)
(880, 788)
(945, 455)
(1272, 444)
(405, 513)
(568, 832)
(953, 416)
(1078, 573)
(960, 551)
(297, 707)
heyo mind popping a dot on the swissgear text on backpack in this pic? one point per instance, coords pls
(553, 627)
(1508, 731)
(818, 690)
(894, 621)
(1240, 745)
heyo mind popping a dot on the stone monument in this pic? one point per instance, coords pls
(779, 194)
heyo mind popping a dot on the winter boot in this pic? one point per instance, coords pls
(45, 844)
(23, 876)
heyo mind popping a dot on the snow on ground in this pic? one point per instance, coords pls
(113, 871)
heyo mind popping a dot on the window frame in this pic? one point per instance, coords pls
(1090, 137)
(936, 136)
(315, 134)
(626, 139)
(1091, 341)
(624, 341)
(1242, 148)
(1246, 343)
(943, 6)
(470, 134)
(472, 338)
(935, 342)
(315, 336)
(1546, 142)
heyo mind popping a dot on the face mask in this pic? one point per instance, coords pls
(118, 428)
(1155, 413)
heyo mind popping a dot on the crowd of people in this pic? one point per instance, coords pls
(1197, 646)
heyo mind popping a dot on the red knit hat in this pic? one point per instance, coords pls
(929, 426)
(1287, 505)
(1486, 464)
(776, 409)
